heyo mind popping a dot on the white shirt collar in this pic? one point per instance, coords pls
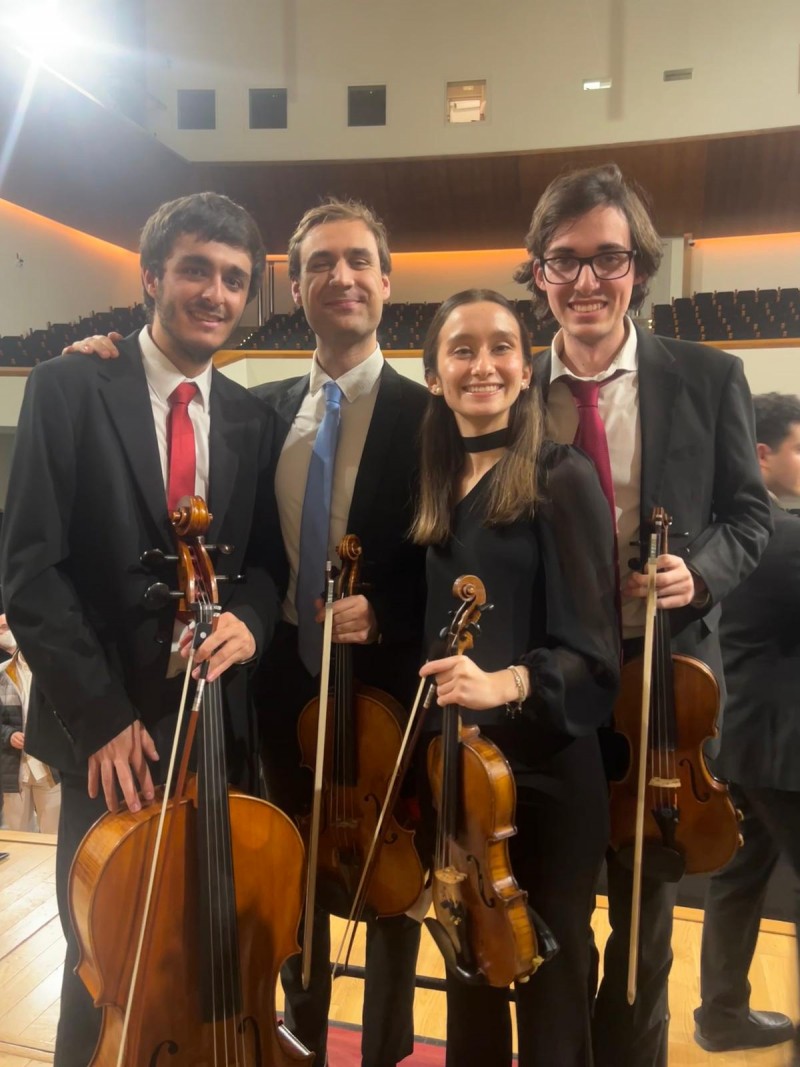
(163, 376)
(625, 359)
(354, 383)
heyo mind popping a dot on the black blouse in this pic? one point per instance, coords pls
(551, 581)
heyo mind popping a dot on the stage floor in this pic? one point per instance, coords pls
(31, 958)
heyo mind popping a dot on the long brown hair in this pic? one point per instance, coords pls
(513, 490)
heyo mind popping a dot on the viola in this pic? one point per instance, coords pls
(185, 910)
(669, 815)
(363, 730)
(483, 925)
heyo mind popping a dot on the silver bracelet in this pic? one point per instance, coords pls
(514, 708)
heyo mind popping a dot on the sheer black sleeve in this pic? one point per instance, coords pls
(574, 669)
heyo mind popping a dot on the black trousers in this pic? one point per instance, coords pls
(562, 831)
(283, 687)
(636, 1035)
(79, 1021)
(735, 898)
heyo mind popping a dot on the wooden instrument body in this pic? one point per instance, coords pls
(351, 806)
(107, 888)
(498, 926)
(706, 832)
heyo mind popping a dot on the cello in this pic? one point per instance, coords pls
(483, 925)
(669, 815)
(352, 748)
(185, 910)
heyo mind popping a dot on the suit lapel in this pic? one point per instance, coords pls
(376, 447)
(225, 442)
(287, 403)
(126, 396)
(659, 387)
(542, 366)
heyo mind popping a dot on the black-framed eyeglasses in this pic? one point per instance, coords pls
(606, 266)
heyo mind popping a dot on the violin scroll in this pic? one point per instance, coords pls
(465, 624)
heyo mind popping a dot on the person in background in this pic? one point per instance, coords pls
(760, 750)
(31, 790)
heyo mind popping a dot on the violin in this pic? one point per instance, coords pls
(669, 815)
(362, 735)
(185, 910)
(483, 925)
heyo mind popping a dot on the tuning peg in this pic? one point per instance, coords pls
(224, 550)
(231, 579)
(154, 558)
(159, 595)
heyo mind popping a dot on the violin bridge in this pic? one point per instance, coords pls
(450, 876)
(665, 783)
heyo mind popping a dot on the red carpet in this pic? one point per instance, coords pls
(344, 1050)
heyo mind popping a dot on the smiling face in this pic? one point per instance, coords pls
(199, 299)
(341, 287)
(590, 311)
(480, 366)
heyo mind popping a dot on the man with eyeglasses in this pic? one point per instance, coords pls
(668, 423)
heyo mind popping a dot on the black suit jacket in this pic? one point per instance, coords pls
(381, 513)
(760, 634)
(86, 498)
(699, 463)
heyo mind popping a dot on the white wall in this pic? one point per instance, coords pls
(534, 55)
(744, 262)
(64, 274)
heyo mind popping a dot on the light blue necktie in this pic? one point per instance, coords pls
(314, 527)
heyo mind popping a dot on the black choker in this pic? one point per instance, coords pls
(487, 441)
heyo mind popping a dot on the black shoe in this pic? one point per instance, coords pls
(759, 1030)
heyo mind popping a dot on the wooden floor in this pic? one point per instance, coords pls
(31, 957)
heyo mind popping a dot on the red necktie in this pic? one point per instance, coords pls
(591, 434)
(180, 437)
(591, 437)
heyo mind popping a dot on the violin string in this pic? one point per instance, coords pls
(228, 888)
(214, 839)
(205, 814)
(337, 755)
(347, 738)
(223, 866)
(154, 863)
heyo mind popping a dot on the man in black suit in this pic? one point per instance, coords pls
(339, 265)
(88, 494)
(676, 426)
(760, 748)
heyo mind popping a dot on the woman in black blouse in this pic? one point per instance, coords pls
(529, 519)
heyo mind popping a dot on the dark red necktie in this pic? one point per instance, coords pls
(181, 462)
(591, 433)
(591, 437)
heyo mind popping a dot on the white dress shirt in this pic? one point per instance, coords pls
(163, 377)
(618, 405)
(359, 388)
(30, 768)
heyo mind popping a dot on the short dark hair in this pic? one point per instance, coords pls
(574, 194)
(775, 415)
(333, 210)
(210, 216)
